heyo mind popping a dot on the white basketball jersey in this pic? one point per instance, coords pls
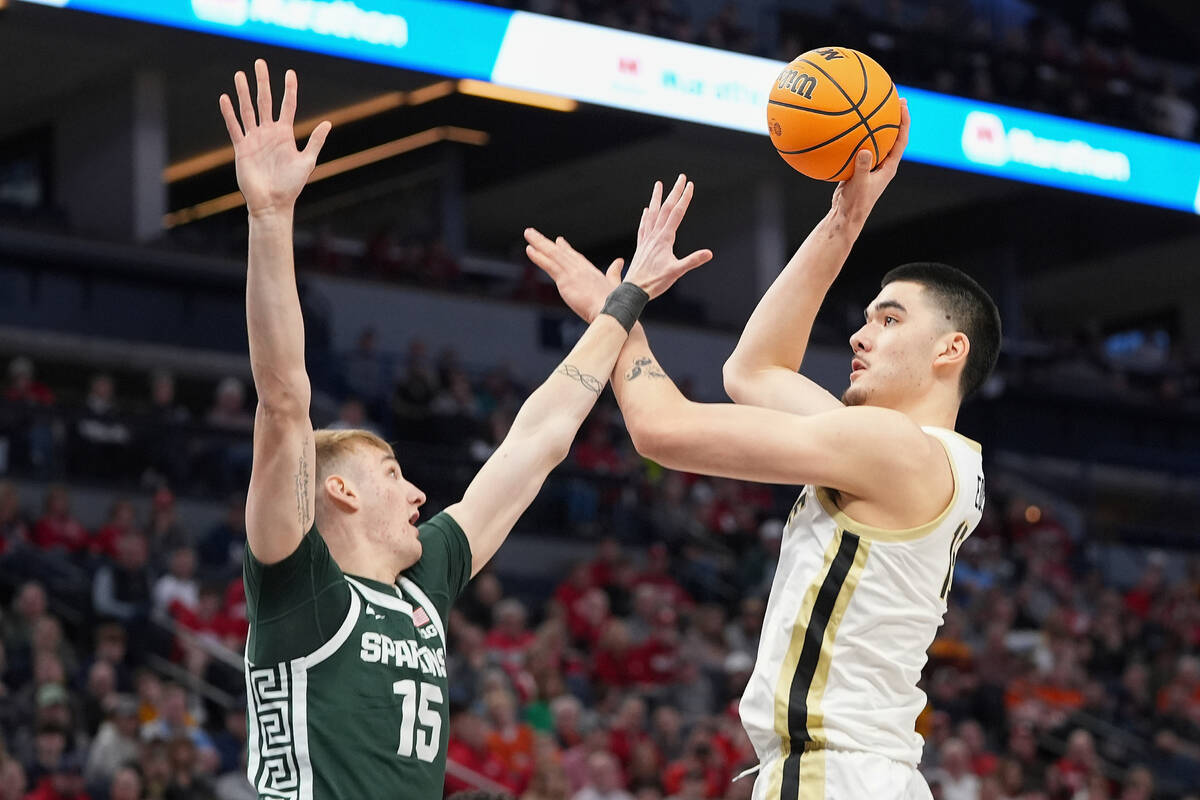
(852, 612)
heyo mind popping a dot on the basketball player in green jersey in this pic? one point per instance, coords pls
(347, 598)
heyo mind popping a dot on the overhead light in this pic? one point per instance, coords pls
(221, 156)
(495, 91)
(444, 133)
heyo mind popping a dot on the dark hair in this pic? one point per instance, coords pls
(968, 308)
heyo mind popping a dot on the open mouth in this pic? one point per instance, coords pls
(412, 519)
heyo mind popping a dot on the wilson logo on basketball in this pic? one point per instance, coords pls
(797, 82)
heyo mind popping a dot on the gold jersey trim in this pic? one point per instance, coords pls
(872, 533)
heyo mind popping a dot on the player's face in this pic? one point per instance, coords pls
(894, 349)
(394, 504)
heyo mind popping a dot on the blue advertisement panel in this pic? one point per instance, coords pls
(682, 81)
(441, 36)
(1039, 148)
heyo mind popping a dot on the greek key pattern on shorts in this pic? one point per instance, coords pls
(278, 774)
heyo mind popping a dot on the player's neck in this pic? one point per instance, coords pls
(931, 409)
(356, 557)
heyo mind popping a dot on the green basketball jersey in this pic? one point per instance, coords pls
(346, 676)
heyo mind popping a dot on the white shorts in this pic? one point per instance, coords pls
(838, 775)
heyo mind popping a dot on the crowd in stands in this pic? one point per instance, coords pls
(1096, 65)
(105, 631)
(1049, 681)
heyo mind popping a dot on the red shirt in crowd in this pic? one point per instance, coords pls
(60, 533)
(484, 762)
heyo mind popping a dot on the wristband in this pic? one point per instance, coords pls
(625, 304)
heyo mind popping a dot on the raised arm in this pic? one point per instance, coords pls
(544, 428)
(764, 368)
(271, 172)
(870, 453)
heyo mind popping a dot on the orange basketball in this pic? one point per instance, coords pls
(828, 104)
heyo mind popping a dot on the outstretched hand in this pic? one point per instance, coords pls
(271, 171)
(858, 194)
(582, 286)
(654, 267)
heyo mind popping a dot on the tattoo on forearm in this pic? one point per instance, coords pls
(644, 365)
(302, 487)
(590, 382)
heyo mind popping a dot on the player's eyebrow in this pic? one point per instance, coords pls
(882, 304)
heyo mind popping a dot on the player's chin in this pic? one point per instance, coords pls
(854, 396)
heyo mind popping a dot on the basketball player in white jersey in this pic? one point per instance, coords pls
(890, 491)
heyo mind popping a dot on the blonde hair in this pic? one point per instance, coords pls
(333, 446)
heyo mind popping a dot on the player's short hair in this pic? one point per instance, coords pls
(332, 446)
(968, 308)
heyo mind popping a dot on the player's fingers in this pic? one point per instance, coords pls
(676, 191)
(675, 217)
(691, 261)
(655, 197)
(863, 162)
(562, 242)
(537, 239)
(244, 104)
(613, 273)
(316, 140)
(543, 261)
(287, 109)
(231, 121)
(902, 137)
(262, 77)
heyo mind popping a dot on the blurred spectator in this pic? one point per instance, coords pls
(234, 785)
(161, 445)
(229, 407)
(510, 640)
(14, 525)
(164, 531)
(468, 746)
(12, 779)
(64, 781)
(353, 414)
(230, 741)
(155, 764)
(116, 743)
(25, 429)
(212, 625)
(175, 720)
(364, 367)
(222, 548)
(188, 781)
(955, 776)
(126, 784)
(57, 529)
(478, 604)
(122, 519)
(178, 589)
(121, 588)
(23, 387)
(28, 606)
(413, 395)
(604, 781)
(510, 740)
(164, 410)
(103, 443)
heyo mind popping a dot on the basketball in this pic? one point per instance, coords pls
(828, 104)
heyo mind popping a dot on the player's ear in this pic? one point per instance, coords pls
(951, 351)
(342, 493)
